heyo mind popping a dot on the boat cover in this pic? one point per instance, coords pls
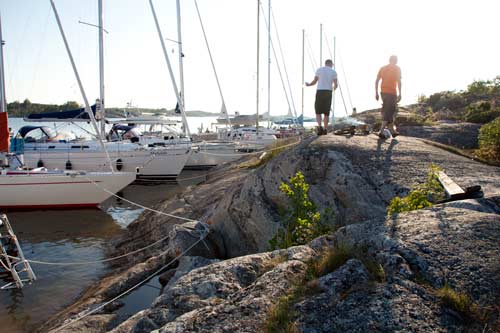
(70, 115)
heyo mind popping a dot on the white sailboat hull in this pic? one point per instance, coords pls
(155, 163)
(209, 154)
(40, 190)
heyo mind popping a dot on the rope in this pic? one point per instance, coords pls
(211, 60)
(284, 66)
(202, 237)
(345, 79)
(89, 262)
(311, 55)
(277, 63)
(138, 205)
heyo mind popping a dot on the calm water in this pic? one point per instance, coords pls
(69, 236)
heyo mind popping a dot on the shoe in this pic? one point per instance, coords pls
(325, 131)
(395, 134)
(382, 136)
(319, 131)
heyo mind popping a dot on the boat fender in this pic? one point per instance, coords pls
(69, 166)
(119, 164)
(39, 164)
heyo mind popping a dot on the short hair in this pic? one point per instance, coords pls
(328, 62)
(393, 59)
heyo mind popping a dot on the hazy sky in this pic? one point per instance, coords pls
(441, 45)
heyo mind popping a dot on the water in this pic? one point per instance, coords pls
(69, 236)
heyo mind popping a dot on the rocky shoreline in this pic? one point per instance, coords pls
(231, 283)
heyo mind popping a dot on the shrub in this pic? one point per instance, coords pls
(489, 140)
(302, 222)
(422, 196)
(481, 112)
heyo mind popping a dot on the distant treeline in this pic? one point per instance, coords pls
(18, 109)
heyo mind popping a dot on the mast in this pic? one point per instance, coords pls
(181, 56)
(333, 94)
(172, 77)
(3, 103)
(87, 107)
(269, 66)
(303, 48)
(101, 70)
(320, 45)
(258, 69)
(223, 108)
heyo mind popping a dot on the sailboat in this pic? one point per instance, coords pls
(153, 161)
(42, 188)
(206, 154)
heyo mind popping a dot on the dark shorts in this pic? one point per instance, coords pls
(323, 102)
(388, 107)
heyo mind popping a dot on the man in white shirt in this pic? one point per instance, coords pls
(326, 77)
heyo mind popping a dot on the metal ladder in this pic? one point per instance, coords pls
(14, 268)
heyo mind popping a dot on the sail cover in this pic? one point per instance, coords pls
(70, 115)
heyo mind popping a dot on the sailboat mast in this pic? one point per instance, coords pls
(269, 66)
(303, 49)
(333, 94)
(3, 103)
(181, 56)
(87, 107)
(172, 77)
(101, 70)
(258, 62)
(320, 45)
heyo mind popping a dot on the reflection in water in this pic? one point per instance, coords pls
(70, 236)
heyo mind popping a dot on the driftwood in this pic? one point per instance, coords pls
(455, 192)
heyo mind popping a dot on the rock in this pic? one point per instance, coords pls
(92, 324)
(355, 178)
(165, 277)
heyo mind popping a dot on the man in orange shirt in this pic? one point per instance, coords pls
(390, 90)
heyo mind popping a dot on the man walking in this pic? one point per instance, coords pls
(326, 77)
(390, 90)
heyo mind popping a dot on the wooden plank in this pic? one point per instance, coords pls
(450, 187)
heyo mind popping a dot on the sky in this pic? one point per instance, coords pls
(441, 45)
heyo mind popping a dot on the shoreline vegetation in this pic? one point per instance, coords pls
(22, 109)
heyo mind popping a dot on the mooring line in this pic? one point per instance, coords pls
(92, 261)
(202, 237)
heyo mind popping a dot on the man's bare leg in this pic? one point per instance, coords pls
(318, 120)
(384, 124)
(325, 121)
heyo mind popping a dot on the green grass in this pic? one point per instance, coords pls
(454, 300)
(280, 319)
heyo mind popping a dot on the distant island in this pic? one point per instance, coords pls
(22, 109)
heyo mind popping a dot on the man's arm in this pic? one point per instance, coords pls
(399, 90)
(376, 85)
(313, 82)
(399, 85)
(335, 84)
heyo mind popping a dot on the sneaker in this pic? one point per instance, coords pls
(382, 136)
(395, 134)
(319, 131)
(325, 131)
